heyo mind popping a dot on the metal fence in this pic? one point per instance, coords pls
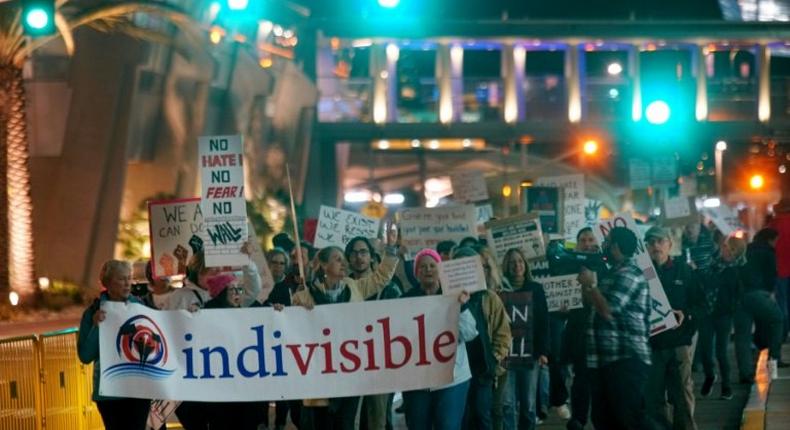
(43, 385)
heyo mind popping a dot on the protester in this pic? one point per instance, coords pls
(757, 305)
(672, 353)
(721, 292)
(573, 346)
(159, 289)
(445, 249)
(332, 285)
(528, 312)
(486, 351)
(116, 413)
(440, 408)
(698, 245)
(618, 353)
(469, 242)
(781, 223)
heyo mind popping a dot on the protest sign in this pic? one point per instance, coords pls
(425, 227)
(592, 212)
(725, 219)
(539, 268)
(639, 174)
(520, 231)
(661, 316)
(518, 305)
(573, 202)
(562, 291)
(547, 202)
(232, 355)
(469, 186)
(484, 213)
(462, 274)
(172, 225)
(337, 226)
(664, 170)
(223, 205)
(679, 211)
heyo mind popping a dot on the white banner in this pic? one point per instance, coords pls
(520, 231)
(725, 219)
(224, 207)
(425, 227)
(256, 354)
(462, 274)
(562, 291)
(661, 316)
(172, 225)
(573, 218)
(337, 226)
(469, 186)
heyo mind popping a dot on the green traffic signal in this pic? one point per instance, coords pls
(389, 4)
(657, 112)
(38, 17)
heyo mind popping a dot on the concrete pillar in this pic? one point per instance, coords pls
(383, 70)
(513, 61)
(763, 83)
(636, 83)
(449, 71)
(700, 70)
(573, 65)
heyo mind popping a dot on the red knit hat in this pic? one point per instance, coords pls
(427, 252)
(218, 283)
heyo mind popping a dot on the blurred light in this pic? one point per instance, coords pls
(415, 143)
(394, 199)
(590, 147)
(43, 283)
(266, 62)
(712, 202)
(506, 191)
(614, 93)
(782, 169)
(214, 8)
(739, 234)
(657, 112)
(238, 4)
(278, 31)
(288, 34)
(384, 74)
(265, 28)
(756, 182)
(37, 18)
(526, 183)
(433, 144)
(384, 144)
(393, 52)
(389, 4)
(357, 196)
(215, 35)
(614, 69)
(361, 43)
(721, 146)
(466, 143)
(13, 297)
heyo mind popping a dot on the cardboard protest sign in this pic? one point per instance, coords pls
(725, 219)
(539, 268)
(484, 213)
(592, 212)
(425, 227)
(224, 208)
(520, 231)
(562, 291)
(664, 170)
(639, 175)
(337, 226)
(547, 202)
(661, 316)
(172, 224)
(259, 354)
(462, 274)
(679, 211)
(469, 186)
(573, 202)
(522, 328)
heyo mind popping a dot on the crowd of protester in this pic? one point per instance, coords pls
(596, 366)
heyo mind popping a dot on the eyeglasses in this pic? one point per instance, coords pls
(360, 252)
(237, 290)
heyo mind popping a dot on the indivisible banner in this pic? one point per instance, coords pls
(469, 186)
(520, 231)
(462, 274)
(257, 354)
(661, 316)
(573, 203)
(425, 227)
(224, 208)
(173, 224)
(337, 226)
(562, 291)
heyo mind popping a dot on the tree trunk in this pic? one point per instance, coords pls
(16, 236)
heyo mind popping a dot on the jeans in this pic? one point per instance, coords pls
(715, 330)
(670, 377)
(341, 415)
(580, 392)
(518, 406)
(756, 306)
(124, 414)
(616, 391)
(497, 405)
(558, 372)
(439, 410)
(544, 389)
(479, 403)
(376, 410)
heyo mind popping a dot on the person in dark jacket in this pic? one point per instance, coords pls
(757, 305)
(529, 325)
(672, 354)
(721, 291)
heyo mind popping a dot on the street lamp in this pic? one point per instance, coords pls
(721, 146)
(614, 69)
(657, 112)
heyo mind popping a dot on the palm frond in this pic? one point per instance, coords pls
(65, 32)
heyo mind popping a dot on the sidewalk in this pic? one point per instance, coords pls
(769, 403)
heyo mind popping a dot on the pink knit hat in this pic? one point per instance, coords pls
(218, 283)
(427, 252)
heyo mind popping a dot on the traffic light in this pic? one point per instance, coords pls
(657, 112)
(590, 147)
(756, 182)
(389, 4)
(234, 13)
(38, 17)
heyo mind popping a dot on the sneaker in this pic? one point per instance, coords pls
(726, 393)
(707, 386)
(564, 412)
(773, 369)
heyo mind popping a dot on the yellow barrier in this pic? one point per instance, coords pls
(43, 385)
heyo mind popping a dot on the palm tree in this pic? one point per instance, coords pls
(16, 236)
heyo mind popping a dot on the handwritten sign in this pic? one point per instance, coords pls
(425, 227)
(224, 208)
(661, 316)
(547, 203)
(462, 274)
(337, 226)
(573, 202)
(469, 186)
(520, 231)
(172, 224)
(562, 291)
(725, 219)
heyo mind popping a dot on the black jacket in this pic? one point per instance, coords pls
(761, 264)
(684, 293)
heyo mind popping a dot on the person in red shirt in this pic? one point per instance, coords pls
(781, 223)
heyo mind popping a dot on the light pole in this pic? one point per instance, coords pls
(721, 146)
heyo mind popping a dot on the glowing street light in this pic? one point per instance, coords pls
(614, 69)
(657, 112)
(389, 4)
(590, 147)
(756, 182)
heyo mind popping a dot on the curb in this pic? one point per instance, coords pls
(753, 417)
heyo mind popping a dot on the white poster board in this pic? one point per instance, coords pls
(679, 211)
(462, 274)
(484, 213)
(725, 219)
(259, 354)
(574, 202)
(425, 227)
(520, 231)
(220, 162)
(661, 316)
(562, 291)
(172, 225)
(469, 186)
(337, 226)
